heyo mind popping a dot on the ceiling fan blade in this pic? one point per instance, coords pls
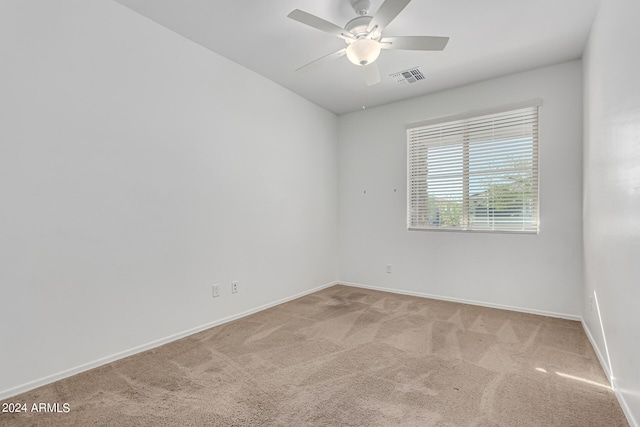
(333, 55)
(319, 24)
(387, 13)
(371, 74)
(414, 43)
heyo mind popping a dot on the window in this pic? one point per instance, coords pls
(478, 173)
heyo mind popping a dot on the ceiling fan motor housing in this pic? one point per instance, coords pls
(358, 26)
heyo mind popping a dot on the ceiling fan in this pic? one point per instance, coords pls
(363, 35)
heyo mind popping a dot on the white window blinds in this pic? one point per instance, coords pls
(479, 173)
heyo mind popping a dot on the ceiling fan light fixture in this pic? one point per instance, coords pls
(363, 51)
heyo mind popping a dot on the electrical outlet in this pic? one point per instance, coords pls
(215, 290)
(234, 287)
(389, 268)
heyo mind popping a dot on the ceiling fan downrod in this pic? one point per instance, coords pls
(361, 7)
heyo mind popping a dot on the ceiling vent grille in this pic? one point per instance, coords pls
(412, 75)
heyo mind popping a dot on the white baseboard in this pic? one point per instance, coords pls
(612, 381)
(603, 361)
(4, 394)
(624, 405)
(466, 301)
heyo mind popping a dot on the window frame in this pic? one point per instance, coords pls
(468, 117)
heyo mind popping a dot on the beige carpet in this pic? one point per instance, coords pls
(349, 357)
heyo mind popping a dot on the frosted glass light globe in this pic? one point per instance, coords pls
(363, 51)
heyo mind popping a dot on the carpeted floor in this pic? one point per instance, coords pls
(349, 357)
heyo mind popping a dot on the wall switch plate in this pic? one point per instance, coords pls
(389, 268)
(215, 290)
(234, 287)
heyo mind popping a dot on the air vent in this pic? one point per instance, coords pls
(412, 75)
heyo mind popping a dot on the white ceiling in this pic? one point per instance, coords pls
(488, 38)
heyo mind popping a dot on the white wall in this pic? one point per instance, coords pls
(136, 170)
(538, 273)
(612, 195)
